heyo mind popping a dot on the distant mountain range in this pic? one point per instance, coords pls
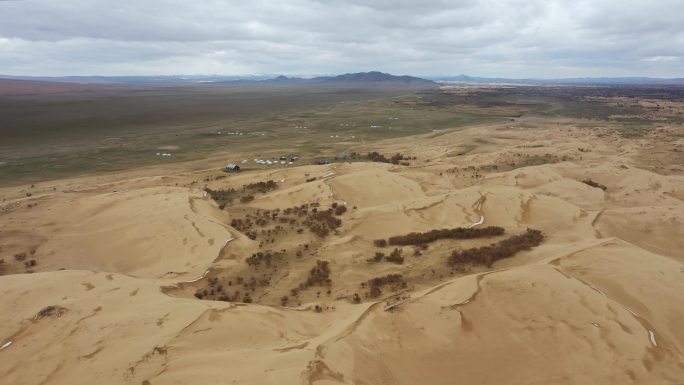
(372, 77)
(359, 77)
(586, 80)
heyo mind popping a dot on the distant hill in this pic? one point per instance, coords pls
(585, 80)
(373, 77)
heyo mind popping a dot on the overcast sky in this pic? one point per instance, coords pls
(508, 38)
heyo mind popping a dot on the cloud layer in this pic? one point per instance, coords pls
(511, 38)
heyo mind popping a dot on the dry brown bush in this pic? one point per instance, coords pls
(375, 285)
(416, 238)
(594, 184)
(319, 275)
(487, 255)
(380, 243)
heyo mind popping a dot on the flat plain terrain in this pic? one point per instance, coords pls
(561, 259)
(50, 134)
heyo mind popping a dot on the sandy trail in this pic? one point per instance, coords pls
(478, 210)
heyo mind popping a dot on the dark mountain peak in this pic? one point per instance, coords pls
(372, 77)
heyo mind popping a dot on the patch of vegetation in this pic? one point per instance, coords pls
(379, 256)
(416, 238)
(509, 163)
(487, 255)
(380, 243)
(222, 197)
(318, 221)
(261, 187)
(50, 311)
(323, 222)
(536, 160)
(394, 159)
(594, 184)
(246, 193)
(339, 209)
(265, 258)
(319, 275)
(375, 285)
(218, 290)
(633, 132)
(394, 257)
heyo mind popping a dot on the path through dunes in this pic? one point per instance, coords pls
(161, 286)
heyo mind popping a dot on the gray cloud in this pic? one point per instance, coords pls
(514, 38)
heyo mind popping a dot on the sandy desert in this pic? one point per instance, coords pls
(283, 275)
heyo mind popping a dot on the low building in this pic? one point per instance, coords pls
(232, 168)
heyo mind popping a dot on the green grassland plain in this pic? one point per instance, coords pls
(65, 134)
(59, 134)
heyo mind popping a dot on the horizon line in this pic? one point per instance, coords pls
(305, 76)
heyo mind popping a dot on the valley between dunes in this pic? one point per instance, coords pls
(122, 259)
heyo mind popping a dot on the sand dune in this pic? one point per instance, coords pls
(380, 187)
(447, 335)
(655, 231)
(151, 232)
(598, 301)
